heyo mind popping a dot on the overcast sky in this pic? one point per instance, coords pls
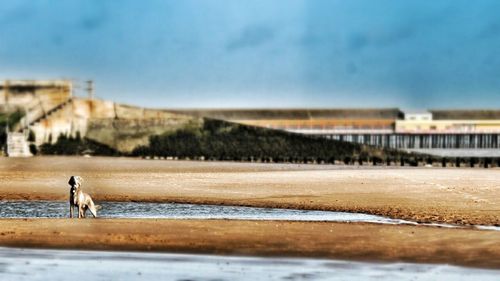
(260, 53)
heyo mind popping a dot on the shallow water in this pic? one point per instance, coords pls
(36, 264)
(57, 209)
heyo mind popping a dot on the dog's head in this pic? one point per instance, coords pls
(75, 181)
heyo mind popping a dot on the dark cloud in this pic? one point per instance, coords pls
(396, 35)
(19, 14)
(357, 41)
(351, 68)
(91, 23)
(96, 16)
(360, 40)
(251, 36)
(491, 30)
(57, 39)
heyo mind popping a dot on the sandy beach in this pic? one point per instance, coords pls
(459, 196)
(347, 241)
(450, 195)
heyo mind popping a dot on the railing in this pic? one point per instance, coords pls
(38, 109)
(339, 131)
(449, 131)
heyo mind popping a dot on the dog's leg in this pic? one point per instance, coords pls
(92, 208)
(80, 212)
(71, 203)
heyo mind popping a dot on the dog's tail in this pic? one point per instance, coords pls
(98, 207)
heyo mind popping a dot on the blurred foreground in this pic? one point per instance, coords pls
(19, 264)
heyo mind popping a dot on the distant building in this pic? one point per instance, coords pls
(453, 133)
(421, 116)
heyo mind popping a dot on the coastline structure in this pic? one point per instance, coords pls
(51, 109)
(446, 133)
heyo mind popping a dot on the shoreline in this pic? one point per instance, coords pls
(393, 212)
(330, 240)
(271, 206)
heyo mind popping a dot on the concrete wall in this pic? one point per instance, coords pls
(68, 120)
(119, 126)
(22, 93)
(448, 126)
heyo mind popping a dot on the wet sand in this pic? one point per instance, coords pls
(456, 196)
(43, 264)
(347, 241)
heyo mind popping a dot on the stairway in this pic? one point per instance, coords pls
(17, 145)
(50, 112)
(38, 112)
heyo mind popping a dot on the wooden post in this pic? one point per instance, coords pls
(6, 90)
(90, 89)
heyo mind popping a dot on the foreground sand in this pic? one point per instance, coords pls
(367, 242)
(460, 196)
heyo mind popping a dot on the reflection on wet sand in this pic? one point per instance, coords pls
(21, 264)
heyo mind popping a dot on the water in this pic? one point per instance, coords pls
(58, 209)
(36, 264)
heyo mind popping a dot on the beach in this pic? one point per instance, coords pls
(461, 197)
(447, 195)
(341, 241)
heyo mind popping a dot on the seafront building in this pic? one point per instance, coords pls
(450, 133)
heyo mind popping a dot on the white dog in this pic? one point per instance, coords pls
(80, 199)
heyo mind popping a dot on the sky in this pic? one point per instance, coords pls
(260, 53)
